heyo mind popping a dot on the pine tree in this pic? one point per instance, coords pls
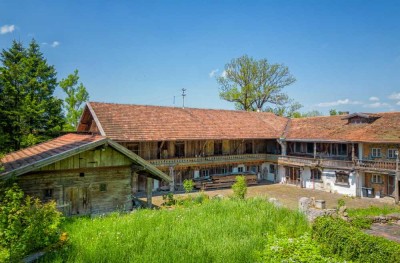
(29, 112)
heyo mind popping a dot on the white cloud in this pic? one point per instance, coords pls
(376, 105)
(55, 44)
(395, 96)
(398, 103)
(7, 29)
(223, 74)
(374, 98)
(44, 43)
(338, 102)
(213, 73)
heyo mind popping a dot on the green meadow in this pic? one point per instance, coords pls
(215, 231)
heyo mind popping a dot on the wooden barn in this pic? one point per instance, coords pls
(84, 174)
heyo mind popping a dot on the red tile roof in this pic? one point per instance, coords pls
(122, 122)
(42, 151)
(385, 129)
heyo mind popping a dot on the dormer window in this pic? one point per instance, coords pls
(361, 118)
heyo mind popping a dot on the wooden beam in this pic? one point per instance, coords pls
(149, 192)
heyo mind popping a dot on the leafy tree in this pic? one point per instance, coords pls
(188, 185)
(76, 96)
(29, 113)
(255, 84)
(333, 112)
(313, 113)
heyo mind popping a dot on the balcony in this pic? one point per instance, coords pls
(364, 165)
(221, 159)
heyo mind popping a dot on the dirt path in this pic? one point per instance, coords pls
(289, 195)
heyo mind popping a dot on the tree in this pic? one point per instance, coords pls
(255, 84)
(333, 112)
(76, 96)
(29, 113)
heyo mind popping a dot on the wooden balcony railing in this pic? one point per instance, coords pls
(339, 164)
(376, 165)
(214, 159)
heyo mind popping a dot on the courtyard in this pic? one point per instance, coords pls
(288, 196)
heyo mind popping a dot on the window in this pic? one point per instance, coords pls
(204, 173)
(376, 179)
(342, 178)
(316, 175)
(217, 147)
(272, 168)
(339, 149)
(240, 169)
(391, 153)
(48, 193)
(103, 188)
(376, 152)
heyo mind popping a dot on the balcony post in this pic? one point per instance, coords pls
(282, 143)
(315, 150)
(396, 179)
(172, 175)
(149, 192)
(352, 152)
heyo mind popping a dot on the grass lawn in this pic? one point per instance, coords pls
(216, 231)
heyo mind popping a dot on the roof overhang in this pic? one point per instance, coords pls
(147, 167)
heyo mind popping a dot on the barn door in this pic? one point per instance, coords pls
(78, 199)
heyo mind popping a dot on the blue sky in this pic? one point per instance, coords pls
(344, 54)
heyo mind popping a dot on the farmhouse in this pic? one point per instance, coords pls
(84, 174)
(352, 154)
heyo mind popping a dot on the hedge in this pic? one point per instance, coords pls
(338, 237)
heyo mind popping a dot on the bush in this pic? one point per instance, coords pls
(168, 199)
(240, 187)
(188, 185)
(337, 236)
(26, 224)
(301, 249)
(341, 202)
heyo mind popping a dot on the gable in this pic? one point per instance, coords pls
(97, 157)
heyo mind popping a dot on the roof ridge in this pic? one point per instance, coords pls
(180, 108)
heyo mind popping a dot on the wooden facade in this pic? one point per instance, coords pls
(95, 181)
(84, 174)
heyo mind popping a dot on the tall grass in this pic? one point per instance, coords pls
(373, 211)
(217, 231)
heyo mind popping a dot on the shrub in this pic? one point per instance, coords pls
(240, 187)
(341, 202)
(188, 185)
(337, 236)
(168, 199)
(284, 249)
(26, 224)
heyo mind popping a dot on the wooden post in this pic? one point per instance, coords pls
(149, 191)
(352, 152)
(315, 150)
(172, 175)
(396, 179)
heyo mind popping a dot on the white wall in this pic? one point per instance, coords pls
(281, 174)
(196, 174)
(329, 178)
(266, 174)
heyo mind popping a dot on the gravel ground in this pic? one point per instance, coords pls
(289, 195)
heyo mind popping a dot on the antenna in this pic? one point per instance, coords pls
(183, 98)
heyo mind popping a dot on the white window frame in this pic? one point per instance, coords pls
(240, 169)
(376, 179)
(376, 152)
(391, 154)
